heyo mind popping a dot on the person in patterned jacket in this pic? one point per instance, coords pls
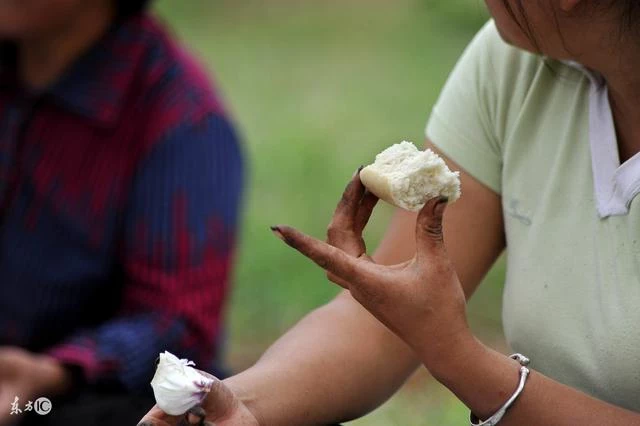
(120, 187)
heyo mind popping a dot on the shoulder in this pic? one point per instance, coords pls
(494, 90)
(490, 50)
(500, 67)
(173, 89)
(506, 78)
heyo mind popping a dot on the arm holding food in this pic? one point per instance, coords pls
(423, 302)
(339, 362)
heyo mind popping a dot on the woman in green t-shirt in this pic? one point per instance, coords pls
(542, 117)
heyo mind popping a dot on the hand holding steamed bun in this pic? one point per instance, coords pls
(421, 300)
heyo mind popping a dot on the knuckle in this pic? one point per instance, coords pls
(332, 236)
(434, 230)
(347, 197)
(332, 230)
(322, 262)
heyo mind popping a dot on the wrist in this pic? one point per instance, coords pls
(445, 356)
(479, 376)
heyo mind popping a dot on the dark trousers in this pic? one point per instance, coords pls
(92, 409)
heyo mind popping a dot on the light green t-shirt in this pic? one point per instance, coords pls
(523, 127)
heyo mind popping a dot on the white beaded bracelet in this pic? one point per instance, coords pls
(493, 420)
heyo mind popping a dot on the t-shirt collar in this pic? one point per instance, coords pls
(615, 184)
(594, 77)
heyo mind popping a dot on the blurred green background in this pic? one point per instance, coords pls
(317, 88)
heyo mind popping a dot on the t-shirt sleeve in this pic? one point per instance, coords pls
(463, 121)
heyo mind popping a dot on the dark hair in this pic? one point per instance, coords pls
(629, 11)
(127, 8)
(630, 15)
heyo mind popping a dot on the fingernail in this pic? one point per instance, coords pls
(276, 231)
(146, 423)
(440, 205)
(197, 410)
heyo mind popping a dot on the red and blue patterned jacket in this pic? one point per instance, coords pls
(120, 187)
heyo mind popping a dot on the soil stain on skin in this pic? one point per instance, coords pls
(195, 416)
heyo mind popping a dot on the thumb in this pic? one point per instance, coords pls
(220, 402)
(157, 417)
(429, 238)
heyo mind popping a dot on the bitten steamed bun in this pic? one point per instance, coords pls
(406, 177)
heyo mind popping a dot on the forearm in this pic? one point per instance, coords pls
(484, 379)
(340, 362)
(337, 364)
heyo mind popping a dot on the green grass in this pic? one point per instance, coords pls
(318, 88)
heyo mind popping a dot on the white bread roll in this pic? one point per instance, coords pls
(406, 177)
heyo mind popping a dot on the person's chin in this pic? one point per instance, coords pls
(506, 37)
(517, 42)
